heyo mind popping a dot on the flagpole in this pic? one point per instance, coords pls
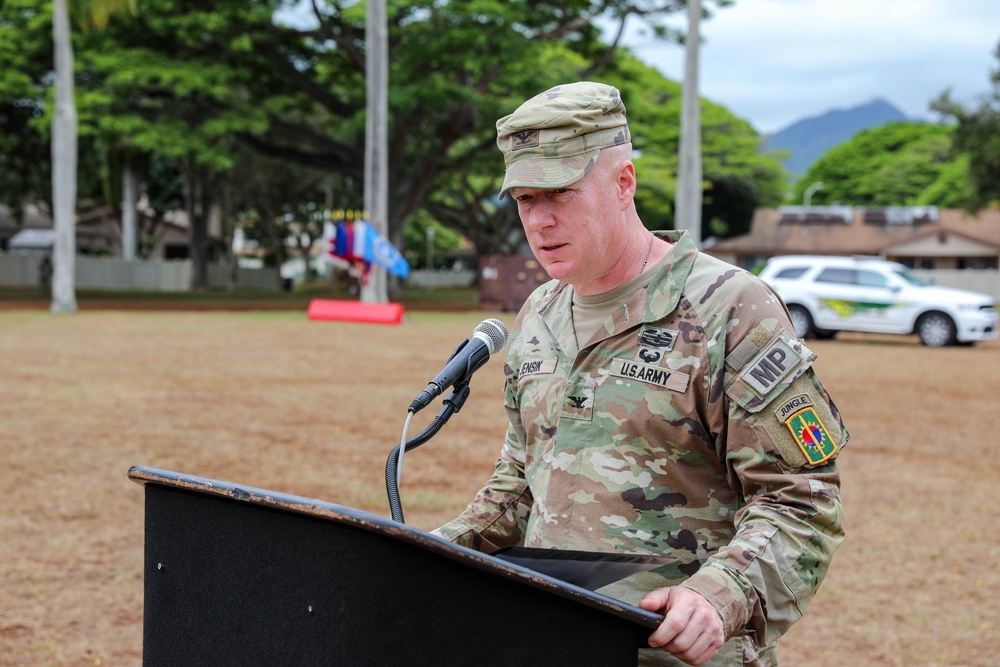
(376, 146)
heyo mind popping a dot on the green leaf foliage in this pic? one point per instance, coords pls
(977, 136)
(897, 164)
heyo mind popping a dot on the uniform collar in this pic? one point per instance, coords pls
(659, 297)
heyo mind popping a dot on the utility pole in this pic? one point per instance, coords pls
(687, 212)
(376, 144)
(64, 146)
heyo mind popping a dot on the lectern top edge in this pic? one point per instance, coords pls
(371, 522)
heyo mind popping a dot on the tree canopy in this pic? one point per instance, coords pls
(898, 164)
(977, 137)
(263, 116)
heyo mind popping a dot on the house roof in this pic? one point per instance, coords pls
(847, 231)
(32, 239)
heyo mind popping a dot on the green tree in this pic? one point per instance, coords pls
(25, 65)
(176, 82)
(977, 135)
(737, 178)
(193, 83)
(897, 164)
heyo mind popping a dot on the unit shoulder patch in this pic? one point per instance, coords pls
(770, 367)
(811, 436)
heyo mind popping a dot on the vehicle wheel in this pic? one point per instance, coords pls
(802, 321)
(936, 330)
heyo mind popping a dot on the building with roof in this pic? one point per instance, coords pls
(919, 237)
(98, 233)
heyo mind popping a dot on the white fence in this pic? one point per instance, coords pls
(175, 276)
(151, 276)
(986, 281)
(441, 279)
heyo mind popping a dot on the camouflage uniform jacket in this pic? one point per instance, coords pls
(693, 426)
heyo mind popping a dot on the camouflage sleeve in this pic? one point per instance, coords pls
(498, 516)
(782, 435)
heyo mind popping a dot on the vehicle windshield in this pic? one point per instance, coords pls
(911, 277)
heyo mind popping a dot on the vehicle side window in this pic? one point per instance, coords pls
(791, 273)
(872, 279)
(838, 276)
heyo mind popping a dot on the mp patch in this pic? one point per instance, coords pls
(771, 366)
(811, 436)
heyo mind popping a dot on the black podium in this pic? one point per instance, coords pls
(235, 575)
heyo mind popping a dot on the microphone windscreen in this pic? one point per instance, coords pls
(496, 331)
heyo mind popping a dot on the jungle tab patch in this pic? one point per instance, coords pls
(791, 406)
(811, 436)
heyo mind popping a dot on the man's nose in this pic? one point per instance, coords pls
(538, 216)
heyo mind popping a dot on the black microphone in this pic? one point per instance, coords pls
(489, 337)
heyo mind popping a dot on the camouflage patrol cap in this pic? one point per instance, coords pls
(553, 139)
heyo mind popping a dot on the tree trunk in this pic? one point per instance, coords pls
(198, 204)
(129, 205)
(63, 166)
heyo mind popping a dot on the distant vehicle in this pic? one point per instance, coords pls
(825, 295)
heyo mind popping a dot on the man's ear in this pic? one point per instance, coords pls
(626, 184)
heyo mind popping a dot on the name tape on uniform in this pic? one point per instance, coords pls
(539, 366)
(661, 377)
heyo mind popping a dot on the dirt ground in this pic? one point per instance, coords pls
(272, 400)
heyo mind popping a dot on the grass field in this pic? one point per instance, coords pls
(272, 400)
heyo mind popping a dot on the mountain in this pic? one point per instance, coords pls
(807, 140)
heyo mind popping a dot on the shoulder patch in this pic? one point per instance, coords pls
(792, 405)
(770, 367)
(811, 436)
(765, 374)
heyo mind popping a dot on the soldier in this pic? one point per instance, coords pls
(659, 403)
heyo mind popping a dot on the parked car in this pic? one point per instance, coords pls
(825, 295)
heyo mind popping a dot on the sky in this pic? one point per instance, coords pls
(774, 62)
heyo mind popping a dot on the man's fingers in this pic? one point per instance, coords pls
(691, 629)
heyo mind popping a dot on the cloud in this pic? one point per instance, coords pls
(777, 61)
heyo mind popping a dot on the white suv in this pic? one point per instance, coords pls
(825, 295)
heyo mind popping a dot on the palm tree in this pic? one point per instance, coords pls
(94, 13)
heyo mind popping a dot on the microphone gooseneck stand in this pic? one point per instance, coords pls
(452, 404)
